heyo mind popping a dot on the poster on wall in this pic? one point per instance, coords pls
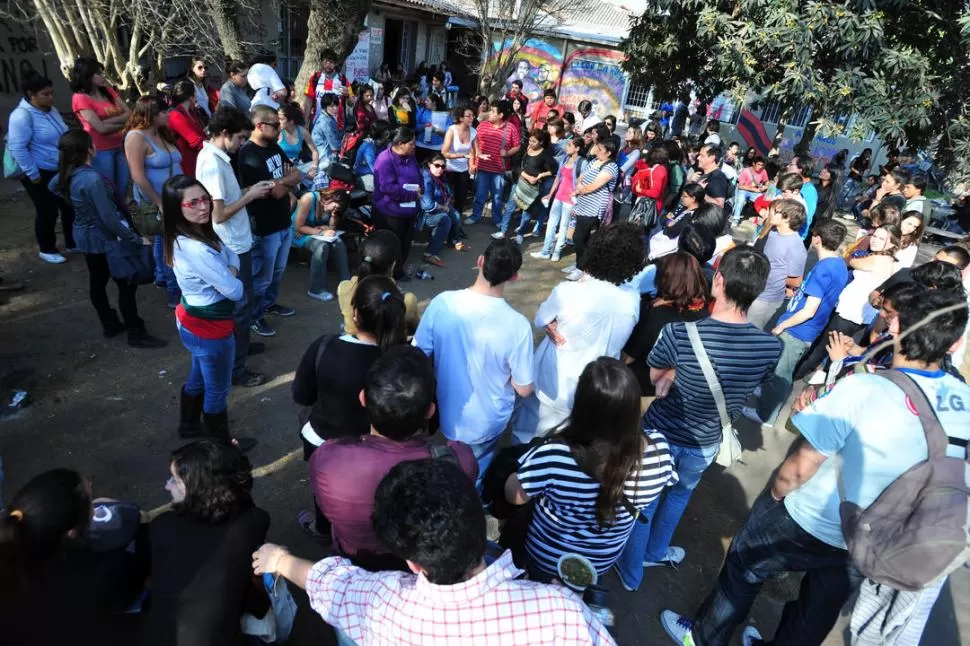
(537, 65)
(593, 74)
(357, 65)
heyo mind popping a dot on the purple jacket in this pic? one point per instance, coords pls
(391, 173)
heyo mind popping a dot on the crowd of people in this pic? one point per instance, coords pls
(673, 321)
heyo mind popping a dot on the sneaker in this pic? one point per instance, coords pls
(555, 257)
(540, 255)
(678, 627)
(750, 412)
(255, 347)
(672, 557)
(519, 240)
(569, 269)
(751, 636)
(575, 274)
(249, 379)
(53, 258)
(262, 328)
(757, 391)
(280, 310)
(498, 235)
(470, 221)
(324, 296)
(307, 520)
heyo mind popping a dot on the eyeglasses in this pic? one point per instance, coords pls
(271, 124)
(205, 200)
(439, 165)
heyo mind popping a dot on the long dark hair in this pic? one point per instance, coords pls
(603, 432)
(379, 254)
(379, 308)
(174, 223)
(218, 480)
(34, 528)
(82, 75)
(75, 147)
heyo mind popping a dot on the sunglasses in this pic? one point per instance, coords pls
(438, 165)
(271, 124)
(197, 202)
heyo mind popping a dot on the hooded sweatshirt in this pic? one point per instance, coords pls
(33, 136)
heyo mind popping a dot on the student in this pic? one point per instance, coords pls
(327, 81)
(911, 225)
(379, 254)
(460, 147)
(583, 320)
(685, 412)
(291, 127)
(673, 223)
(326, 138)
(709, 175)
(913, 189)
(262, 160)
(452, 594)
(430, 138)
(805, 317)
(233, 93)
(752, 183)
(866, 433)
(375, 139)
(561, 197)
(593, 477)
(592, 195)
(438, 211)
(498, 141)
(103, 115)
(787, 256)
(202, 549)
(185, 121)
(482, 351)
(397, 193)
(804, 165)
(398, 395)
(318, 213)
(890, 192)
(538, 168)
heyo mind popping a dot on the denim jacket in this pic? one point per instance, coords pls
(97, 217)
(326, 137)
(435, 193)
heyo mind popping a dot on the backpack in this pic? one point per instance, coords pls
(916, 531)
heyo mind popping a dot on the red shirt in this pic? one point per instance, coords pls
(541, 111)
(650, 181)
(344, 475)
(490, 138)
(190, 135)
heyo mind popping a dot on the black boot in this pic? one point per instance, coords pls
(111, 324)
(190, 415)
(218, 426)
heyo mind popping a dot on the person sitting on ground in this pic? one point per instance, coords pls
(787, 256)
(316, 220)
(579, 479)
(716, 222)
(752, 183)
(672, 224)
(202, 548)
(683, 291)
(452, 593)
(379, 253)
(437, 210)
(911, 226)
(375, 140)
(880, 216)
(482, 350)
(585, 319)
(398, 395)
(871, 427)
(685, 412)
(890, 192)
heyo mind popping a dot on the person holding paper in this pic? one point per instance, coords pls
(315, 222)
(397, 190)
(432, 123)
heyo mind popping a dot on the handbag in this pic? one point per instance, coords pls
(147, 218)
(526, 194)
(644, 212)
(730, 451)
(508, 171)
(127, 261)
(11, 169)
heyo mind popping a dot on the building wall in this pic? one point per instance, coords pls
(20, 54)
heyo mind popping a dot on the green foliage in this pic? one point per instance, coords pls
(902, 66)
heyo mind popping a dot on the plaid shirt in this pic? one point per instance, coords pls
(492, 608)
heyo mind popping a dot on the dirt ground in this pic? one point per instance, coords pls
(111, 412)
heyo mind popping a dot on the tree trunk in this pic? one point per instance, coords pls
(332, 24)
(224, 16)
(804, 144)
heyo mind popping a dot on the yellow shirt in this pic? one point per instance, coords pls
(345, 296)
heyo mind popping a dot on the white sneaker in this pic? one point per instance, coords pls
(571, 268)
(757, 391)
(678, 627)
(750, 412)
(751, 636)
(575, 274)
(519, 240)
(470, 221)
(555, 257)
(672, 557)
(324, 296)
(540, 255)
(53, 258)
(498, 235)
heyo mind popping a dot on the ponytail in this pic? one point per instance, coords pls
(379, 254)
(380, 310)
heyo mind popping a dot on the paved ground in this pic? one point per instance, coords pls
(111, 412)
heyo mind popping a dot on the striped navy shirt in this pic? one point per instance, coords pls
(593, 205)
(564, 519)
(743, 357)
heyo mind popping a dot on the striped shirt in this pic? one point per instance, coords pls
(743, 357)
(593, 205)
(564, 519)
(490, 137)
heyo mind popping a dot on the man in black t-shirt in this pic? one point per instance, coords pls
(262, 159)
(716, 185)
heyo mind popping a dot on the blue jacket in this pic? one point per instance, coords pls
(366, 156)
(97, 216)
(326, 137)
(435, 193)
(32, 138)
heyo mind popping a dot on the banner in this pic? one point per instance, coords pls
(357, 65)
(537, 65)
(594, 74)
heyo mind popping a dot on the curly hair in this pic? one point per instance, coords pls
(218, 480)
(615, 253)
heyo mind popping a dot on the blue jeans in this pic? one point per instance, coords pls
(486, 183)
(740, 198)
(557, 227)
(270, 253)
(113, 165)
(649, 542)
(771, 542)
(164, 273)
(211, 371)
(484, 453)
(322, 255)
(440, 224)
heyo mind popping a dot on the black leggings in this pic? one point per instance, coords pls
(99, 276)
(819, 349)
(584, 229)
(48, 207)
(404, 229)
(459, 182)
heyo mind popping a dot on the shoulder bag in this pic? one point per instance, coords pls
(147, 217)
(730, 451)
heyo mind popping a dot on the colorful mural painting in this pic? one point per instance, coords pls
(594, 74)
(537, 65)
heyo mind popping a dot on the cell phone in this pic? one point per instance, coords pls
(411, 187)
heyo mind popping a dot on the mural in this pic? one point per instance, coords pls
(537, 65)
(594, 74)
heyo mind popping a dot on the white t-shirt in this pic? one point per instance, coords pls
(714, 139)
(730, 172)
(855, 297)
(460, 165)
(214, 171)
(905, 257)
(480, 346)
(874, 428)
(265, 81)
(596, 319)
